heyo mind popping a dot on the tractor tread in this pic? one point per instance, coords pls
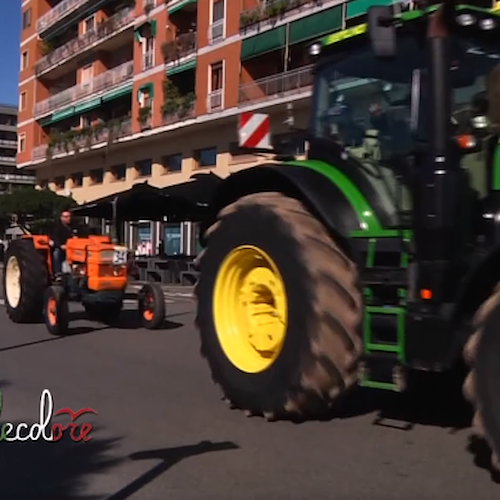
(34, 282)
(469, 355)
(329, 369)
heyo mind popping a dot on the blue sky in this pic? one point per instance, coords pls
(10, 35)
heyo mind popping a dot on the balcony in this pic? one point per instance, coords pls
(184, 45)
(103, 31)
(105, 81)
(18, 179)
(297, 81)
(64, 143)
(178, 109)
(10, 160)
(60, 11)
(6, 142)
(271, 10)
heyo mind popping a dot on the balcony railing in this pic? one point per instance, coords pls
(105, 81)
(182, 46)
(184, 112)
(103, 30)
(6, 142)
(215, 100)
(19, 179)
(74, 140)
(60, 11)
(276, 86)
(8, 159)
(216, 31)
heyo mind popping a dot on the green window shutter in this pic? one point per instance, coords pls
(265, 42)
(317, 25)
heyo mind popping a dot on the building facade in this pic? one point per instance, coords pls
(10, 177)
(115, 92)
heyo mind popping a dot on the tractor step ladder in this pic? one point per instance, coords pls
(383, 264)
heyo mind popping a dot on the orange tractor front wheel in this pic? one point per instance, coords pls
(152, 306)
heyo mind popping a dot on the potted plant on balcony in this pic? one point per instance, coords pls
(144, 117)
(169, 51)
(185, 104)
(86, 134)
(250, 18)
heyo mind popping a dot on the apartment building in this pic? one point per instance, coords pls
(115, 92)
(10, 178)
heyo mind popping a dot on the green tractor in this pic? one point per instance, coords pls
(378, 255)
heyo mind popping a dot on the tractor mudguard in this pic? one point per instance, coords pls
(330, 202)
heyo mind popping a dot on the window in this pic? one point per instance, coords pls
(77, 179)
(173, 163)
(145, 99)
(119, 172)
(144, 168)
(21, 143)
(87, 72)
(89, 24)
(59, 182)
(97, 175)
(216, 86)
(148, 53)
(172, 239)
(24, 60)
(217, 26)
(206, 157)
(85, 121)
(22, 101)
(27, 18)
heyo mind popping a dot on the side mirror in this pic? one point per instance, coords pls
(381, 31)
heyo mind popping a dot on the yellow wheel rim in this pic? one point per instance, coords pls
(250, 309)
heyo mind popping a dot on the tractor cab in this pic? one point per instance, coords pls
(379, 101)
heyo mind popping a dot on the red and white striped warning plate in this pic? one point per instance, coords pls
(255, 131)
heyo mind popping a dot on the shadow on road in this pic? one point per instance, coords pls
(168, 457)
(42, 470)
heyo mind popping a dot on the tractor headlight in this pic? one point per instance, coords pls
(315, 49)
(466, 19)
(487, 24)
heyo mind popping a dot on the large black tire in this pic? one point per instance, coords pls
(323, 342)
(152, 306)
(105, 312)
(32, 281)
(482, 385)
(57, 317)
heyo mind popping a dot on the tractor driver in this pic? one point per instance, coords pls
(60, 233)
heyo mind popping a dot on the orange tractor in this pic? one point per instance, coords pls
(94, 274)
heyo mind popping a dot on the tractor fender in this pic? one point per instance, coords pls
(477, 287)
(319, 195)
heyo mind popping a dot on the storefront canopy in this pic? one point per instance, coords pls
(181, 202)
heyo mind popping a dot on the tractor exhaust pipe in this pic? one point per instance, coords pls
(439, 190)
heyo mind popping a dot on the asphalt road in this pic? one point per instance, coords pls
(163, 432)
